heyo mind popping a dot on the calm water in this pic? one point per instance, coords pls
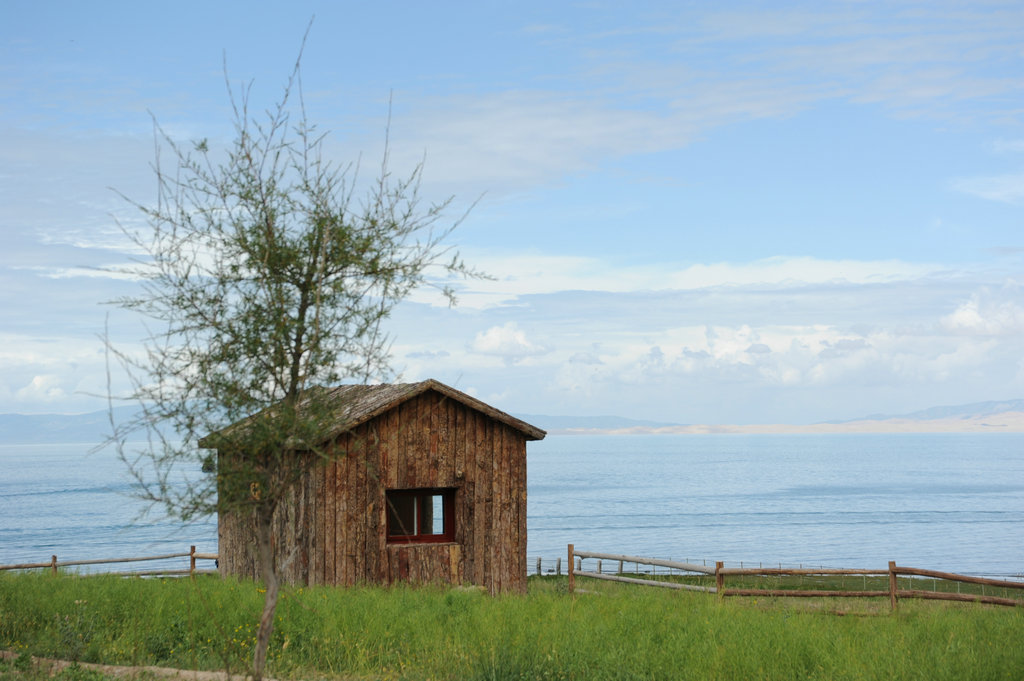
(945, 501)
(60, 499)
(948, 502)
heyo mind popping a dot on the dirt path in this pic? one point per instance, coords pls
(55, 666)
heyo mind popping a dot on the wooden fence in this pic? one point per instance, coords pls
(192, 555)
(575, 568)
(893, 592)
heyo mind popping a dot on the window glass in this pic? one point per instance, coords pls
(436, 514)
(421, 515)
(401, 515)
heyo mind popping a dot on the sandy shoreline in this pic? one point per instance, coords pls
(1006, 422)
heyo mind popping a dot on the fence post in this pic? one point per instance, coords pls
(892, 584)
(538, 566)
(572, 577)
(558, 566)
(53, 564)
(719, 578)
(192, 562)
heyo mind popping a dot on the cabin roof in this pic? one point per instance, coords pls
(354, 405)
(358, 404)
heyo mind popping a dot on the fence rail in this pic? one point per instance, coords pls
(192, 570)
(720, 572)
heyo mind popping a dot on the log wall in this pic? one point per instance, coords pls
(332, 530)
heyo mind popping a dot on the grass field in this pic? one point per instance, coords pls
(848, 583)
(613, 631)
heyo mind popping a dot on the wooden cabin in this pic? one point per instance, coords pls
(423, 483)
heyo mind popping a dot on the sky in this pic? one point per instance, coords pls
(693, 212)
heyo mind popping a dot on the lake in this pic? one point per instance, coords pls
(944, 501)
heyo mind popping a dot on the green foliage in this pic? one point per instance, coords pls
(23, 662)
(264, 277)
(266, 270)
(614, 632)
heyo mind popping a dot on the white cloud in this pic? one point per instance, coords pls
(508, 342)
(896, 330)
(518, 138)
(796, 271)
(1002, 188)
(116, 272)
(531, 274)
(986, 315)
(663, 86)
(44, 388)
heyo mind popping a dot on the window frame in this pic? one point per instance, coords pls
(421, 496)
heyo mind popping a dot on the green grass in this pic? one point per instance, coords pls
(838, 583)
(614, 632)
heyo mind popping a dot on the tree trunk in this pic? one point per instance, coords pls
(268, 572)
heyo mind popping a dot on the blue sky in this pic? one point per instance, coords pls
(694, 212)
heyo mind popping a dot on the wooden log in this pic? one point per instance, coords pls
(958, 578)
(795, 572)
(100, 561)
(804, 593)
(487, 488)
(330, 518)
(355, 510)
(517, 450)
(387, 479)
(319, 522)
(419, 455)
(482, 490)
(435, 460)
(498, 538)
(391, 453)
(341, 492)
(53, 563)
(892, 584)
(407, 424)
(154, 573)
(496, 534)
(685, 567)
(455, 563)
(648, 582)
(369, 516)
(303, 529)
(459, 443)
(26, 566)
(974, 598)
(572, 579)
(519, 483)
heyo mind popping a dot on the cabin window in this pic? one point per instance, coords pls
(421, 515)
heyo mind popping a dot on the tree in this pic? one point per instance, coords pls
(264, 278)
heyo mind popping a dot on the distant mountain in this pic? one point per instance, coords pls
(558, 423)
(958, 411)
(91, 428)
